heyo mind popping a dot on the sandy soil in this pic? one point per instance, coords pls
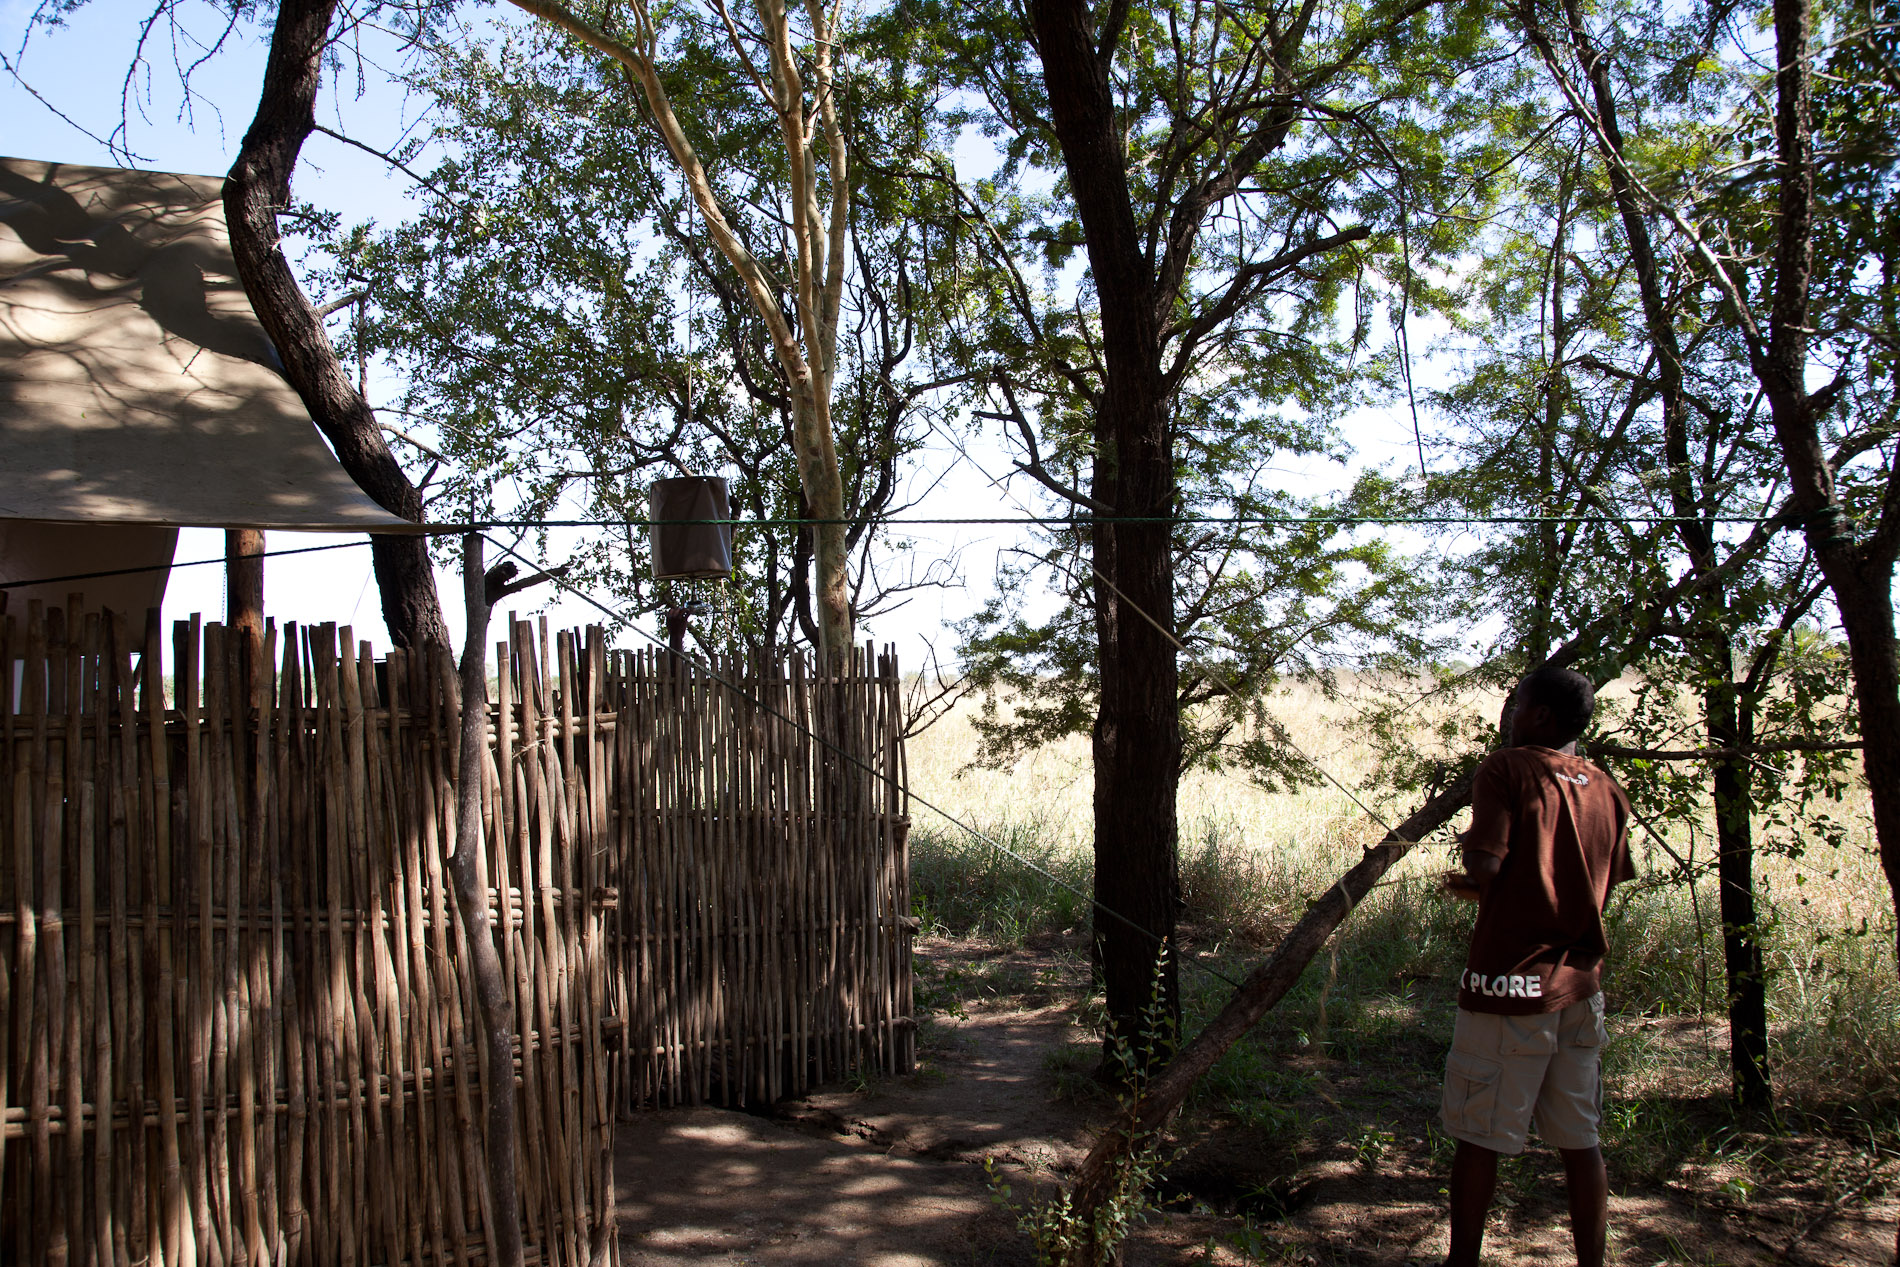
(890, 1177)
(890, 1174)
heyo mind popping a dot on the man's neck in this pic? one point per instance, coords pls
(1564, 750)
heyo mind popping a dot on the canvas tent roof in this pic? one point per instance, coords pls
(136, 384)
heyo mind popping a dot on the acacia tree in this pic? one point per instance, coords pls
(1844, 492)
(560, 317)
(794, 73)
(1227, 172)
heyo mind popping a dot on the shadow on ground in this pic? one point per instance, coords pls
(1334, 1165)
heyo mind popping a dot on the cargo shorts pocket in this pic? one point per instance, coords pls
(1525, 1036)
(1584, 1024)
(1471, 1093)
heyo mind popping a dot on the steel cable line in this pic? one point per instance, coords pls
(1028, 520)
(1076, 522)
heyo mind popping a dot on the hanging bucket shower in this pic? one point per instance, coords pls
(697, 550)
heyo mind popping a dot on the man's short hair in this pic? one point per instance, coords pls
(1565, 692)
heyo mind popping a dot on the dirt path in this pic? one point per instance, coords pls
(890, 1174)
(708, 1186)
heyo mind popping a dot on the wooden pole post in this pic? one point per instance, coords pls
(494, 1001)
(244, 581)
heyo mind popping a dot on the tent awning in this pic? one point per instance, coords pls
(136, 383)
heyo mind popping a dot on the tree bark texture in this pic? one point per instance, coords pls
(493, 994)
(1860, 574)
(1136, 738)
(1732, 792)
(255, 192)
(244, 581)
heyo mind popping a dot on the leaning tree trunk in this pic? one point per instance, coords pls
(1263, 988)
(257, 189)
(1137, 725)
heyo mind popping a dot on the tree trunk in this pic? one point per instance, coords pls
(1733, 794)
(823, 486)
(494, 997)
(257, 189)
(1136, 749)
(1136, 741)
(1859, 575)
(244, 581)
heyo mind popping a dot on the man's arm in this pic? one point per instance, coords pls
(1480, 869)
(1484, 844)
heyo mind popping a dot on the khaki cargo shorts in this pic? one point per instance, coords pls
(1506, 1072)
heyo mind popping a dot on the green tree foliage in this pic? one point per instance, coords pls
(557, 311)
(1290, 171)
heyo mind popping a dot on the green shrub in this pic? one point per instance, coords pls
(963, 887)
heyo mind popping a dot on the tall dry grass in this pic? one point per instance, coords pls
(1252, 859)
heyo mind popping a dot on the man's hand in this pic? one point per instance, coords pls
(1461, 886)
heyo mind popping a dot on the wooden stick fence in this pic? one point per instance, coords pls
(763, 940)
(235, 1024)
(234, 1027)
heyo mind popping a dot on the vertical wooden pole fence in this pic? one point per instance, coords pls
(234, 1020)
(762, 939)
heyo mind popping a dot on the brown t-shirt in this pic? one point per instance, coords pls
(1561, 827)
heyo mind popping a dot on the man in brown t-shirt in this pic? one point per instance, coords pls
(1548, 840)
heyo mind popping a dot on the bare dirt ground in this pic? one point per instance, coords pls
(890, 1173)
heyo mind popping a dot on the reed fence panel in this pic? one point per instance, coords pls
(235, 1027)
(235, 1021)
(763, 934)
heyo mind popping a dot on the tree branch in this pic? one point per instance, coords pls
(1600, 749)
(391, 159)
(1034, 467)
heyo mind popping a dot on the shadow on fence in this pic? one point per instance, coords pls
(237, 1025)
(763, 943)
(235, 1022)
